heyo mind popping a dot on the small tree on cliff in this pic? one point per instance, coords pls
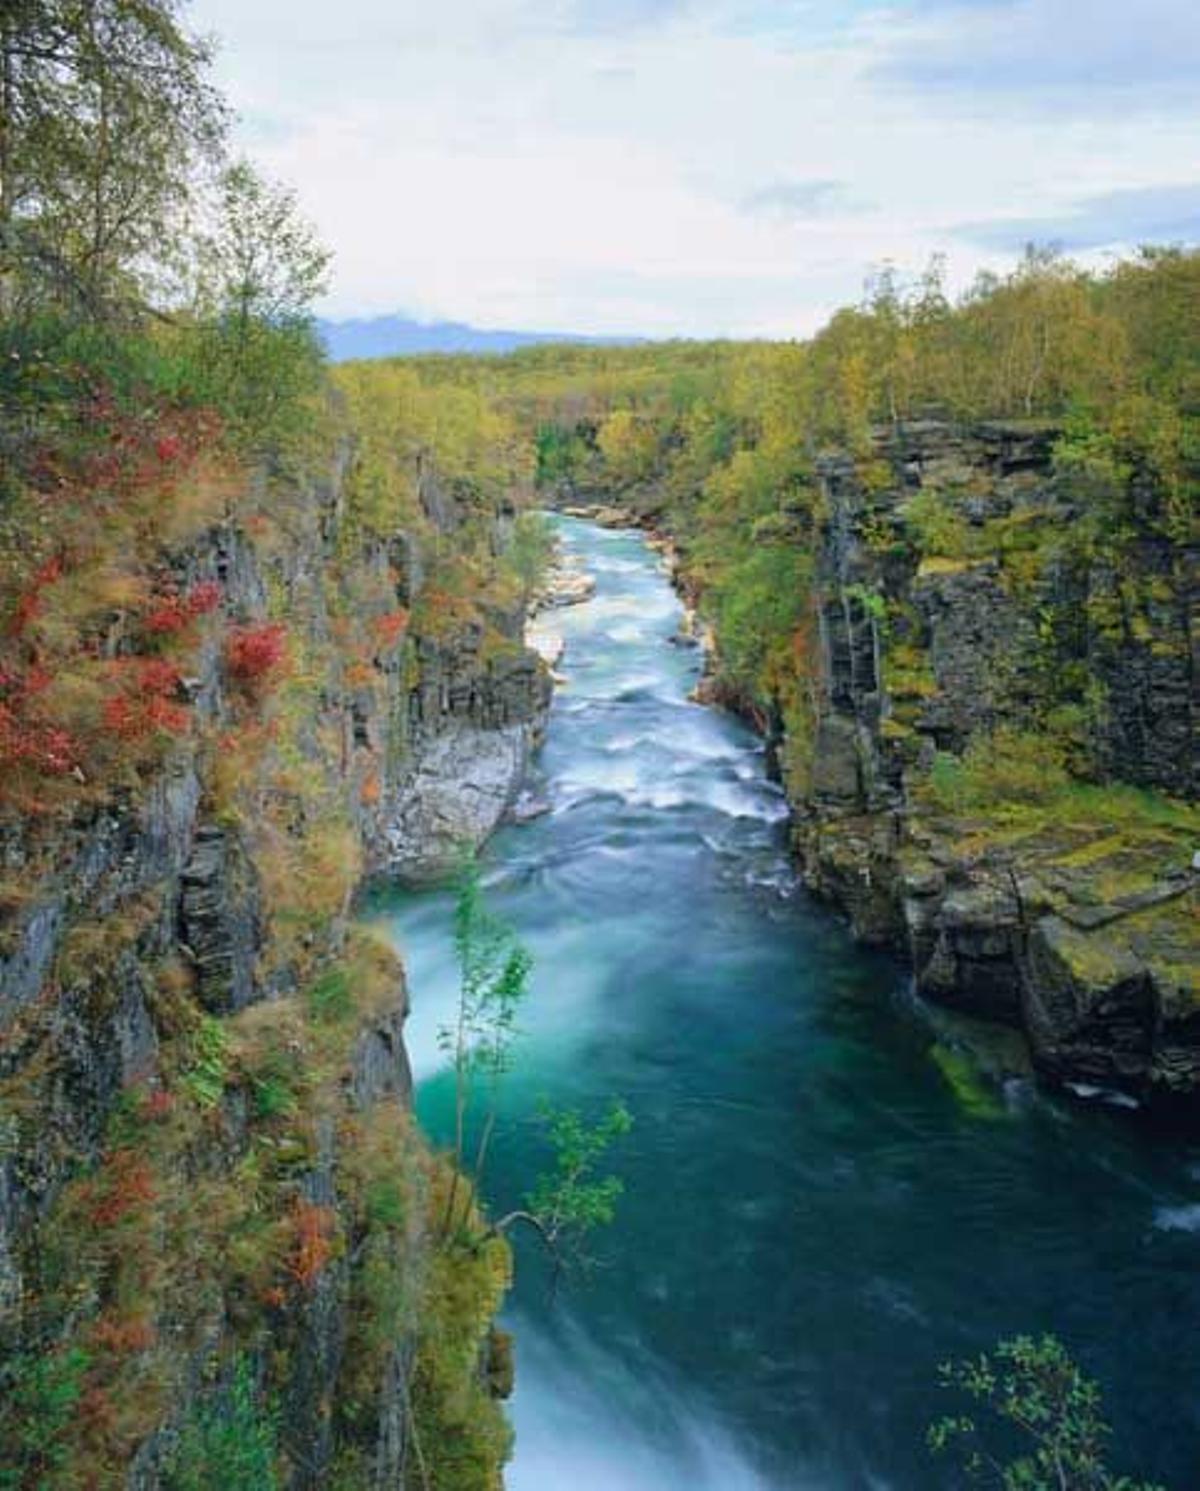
(259, 271)
(1033, 1388)
(571, 1198)
(494, 973)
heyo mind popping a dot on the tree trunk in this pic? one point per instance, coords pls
(7, 127)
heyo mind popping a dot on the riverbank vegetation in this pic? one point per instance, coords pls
(721, 442)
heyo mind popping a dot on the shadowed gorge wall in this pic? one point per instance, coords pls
(216, 1263)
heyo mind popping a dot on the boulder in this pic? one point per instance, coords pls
(454, 796)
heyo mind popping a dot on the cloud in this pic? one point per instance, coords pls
(599, 17)
(1150, 214)
(677, 166)
(1047, 54)
(798, 200)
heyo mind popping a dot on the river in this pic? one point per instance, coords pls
(819, 1207)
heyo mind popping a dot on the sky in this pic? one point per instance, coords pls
(707, 167)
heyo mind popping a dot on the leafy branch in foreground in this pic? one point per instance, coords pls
(570, 1199)
(1032, 1387)
(494, 973)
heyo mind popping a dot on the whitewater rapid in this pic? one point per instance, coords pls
(813, 1216)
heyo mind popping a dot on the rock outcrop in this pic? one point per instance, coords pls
(472, 724)
(1080, 930)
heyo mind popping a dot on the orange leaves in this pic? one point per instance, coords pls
(806, 648)
(313, 1228)
(123, 1336)
(390, 628)
(123, 1188)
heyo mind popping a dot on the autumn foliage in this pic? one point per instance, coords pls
(171, 613)
(254, 653)
(313, 1229)
(123, 1187)
(95, 631)
(145, 701)
(390, 628)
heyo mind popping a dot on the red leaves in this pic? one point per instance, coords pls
(110, 483)
(172, 613)
(29, 603)
(48, 749)
(253, 653)
(313, 1246)
(156, 1106)
(204, 598)
(167, 617)
(136, 451)
(144, 705)
(26, 737)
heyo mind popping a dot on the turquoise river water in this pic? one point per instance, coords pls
(814, 1216)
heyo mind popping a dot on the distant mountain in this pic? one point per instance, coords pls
(397, 336)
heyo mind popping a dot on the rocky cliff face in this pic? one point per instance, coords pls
(994, 764)
(471, 723)
(214, 1211)
(976, 615)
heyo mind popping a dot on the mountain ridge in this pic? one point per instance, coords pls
(402, 336)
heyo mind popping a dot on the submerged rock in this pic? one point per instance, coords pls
(528, 807)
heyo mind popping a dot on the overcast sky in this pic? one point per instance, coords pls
(705, 167)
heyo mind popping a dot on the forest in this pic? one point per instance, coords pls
(720, 443)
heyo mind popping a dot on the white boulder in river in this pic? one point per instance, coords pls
(460, 788)
(567, 586)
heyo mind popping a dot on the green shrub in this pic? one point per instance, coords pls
(204, 1079)
(230, 1443)
(329, 998)
(1005, 768)
(39, 1402)
(937, 527)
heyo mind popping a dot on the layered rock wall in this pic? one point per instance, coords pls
(210, 1190)
(967, 595)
